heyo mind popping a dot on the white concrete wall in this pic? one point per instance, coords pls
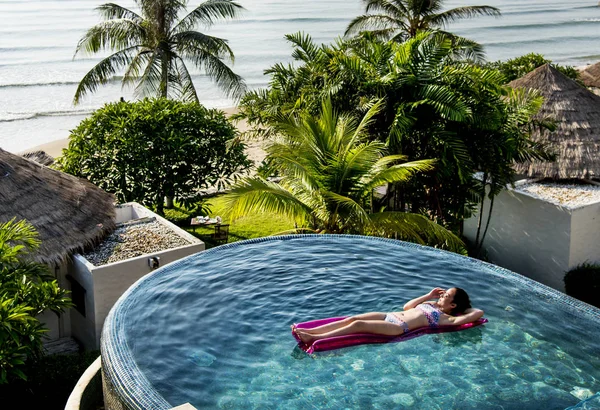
(105, 284)
(83, 328)
(528, 236)
(585, 235)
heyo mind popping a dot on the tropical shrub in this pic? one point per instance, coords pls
(583, 283)
(50, 381)
(329, 171)
(154, 149)
(437, 105)
(26, 290)
(517, 67)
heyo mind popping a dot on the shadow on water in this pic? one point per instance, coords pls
(471, 337)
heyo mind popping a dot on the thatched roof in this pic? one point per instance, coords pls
(577, 137)
(39, 156)
(68, 212)
(591, 75)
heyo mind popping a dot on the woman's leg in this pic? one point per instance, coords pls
(378, 327)
(341, 323)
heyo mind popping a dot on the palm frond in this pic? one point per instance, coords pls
(102, 72)
(396, 173)
(150, 81)
(304, 48)
(415, 228)
(458, 13)
(111, 11)
(445, 101)
(352, 211)
(383, 24)
(137, 64)
(112, 34)
(232, 84)
(185, 86)
(251, 195)
(207, 13)
(189, 41)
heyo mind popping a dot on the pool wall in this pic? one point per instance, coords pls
(126, 387)
(101, 286)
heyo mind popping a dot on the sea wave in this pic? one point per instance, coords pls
(292, 20)
(550, 26)
(20, 116)
(534, 11)
(552, 40)
(38, 84)
(32, 48)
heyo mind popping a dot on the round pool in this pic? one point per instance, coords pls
(213, 330)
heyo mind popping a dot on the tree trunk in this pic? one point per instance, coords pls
(164, 75)
(487, 224)
(169, 204)
(159, 202)
(480, 216)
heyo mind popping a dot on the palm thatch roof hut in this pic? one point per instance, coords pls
(591, 76)
(577, 137)
(68, 212)
(40, 157)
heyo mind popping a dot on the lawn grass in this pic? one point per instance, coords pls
(251, 226)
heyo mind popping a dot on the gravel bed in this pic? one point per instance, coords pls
(564, 194)
(131, 240)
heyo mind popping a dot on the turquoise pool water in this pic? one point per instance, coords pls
(213, 330)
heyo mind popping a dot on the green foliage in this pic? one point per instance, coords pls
(155, 148)
(583, 283)
(253, 225)
(26, 290)
(436, 104)
(402, 19)
(519, 66)
(181, 216)
(152, 48)
(50, 381)
(329, 170)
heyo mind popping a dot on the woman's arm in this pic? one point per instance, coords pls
(470, 315)
(434, 294)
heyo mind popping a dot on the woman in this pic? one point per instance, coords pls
(417, 313)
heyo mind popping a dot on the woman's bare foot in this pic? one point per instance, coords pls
(306, 338)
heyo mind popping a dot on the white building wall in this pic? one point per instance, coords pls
(585, 235)
(528, 236)
(83, 327)
(105, 284)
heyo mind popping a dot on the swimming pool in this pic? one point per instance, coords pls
(213, 330)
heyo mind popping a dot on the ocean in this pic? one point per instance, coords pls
(38, 75)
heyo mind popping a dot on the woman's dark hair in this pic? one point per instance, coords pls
(462, 301)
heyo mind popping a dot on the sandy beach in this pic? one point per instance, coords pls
(253, 150)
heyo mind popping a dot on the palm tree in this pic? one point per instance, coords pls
(329, 174)
(509, 144)
(402, 19)
(153, 46)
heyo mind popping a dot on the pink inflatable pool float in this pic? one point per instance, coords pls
(338, 342)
